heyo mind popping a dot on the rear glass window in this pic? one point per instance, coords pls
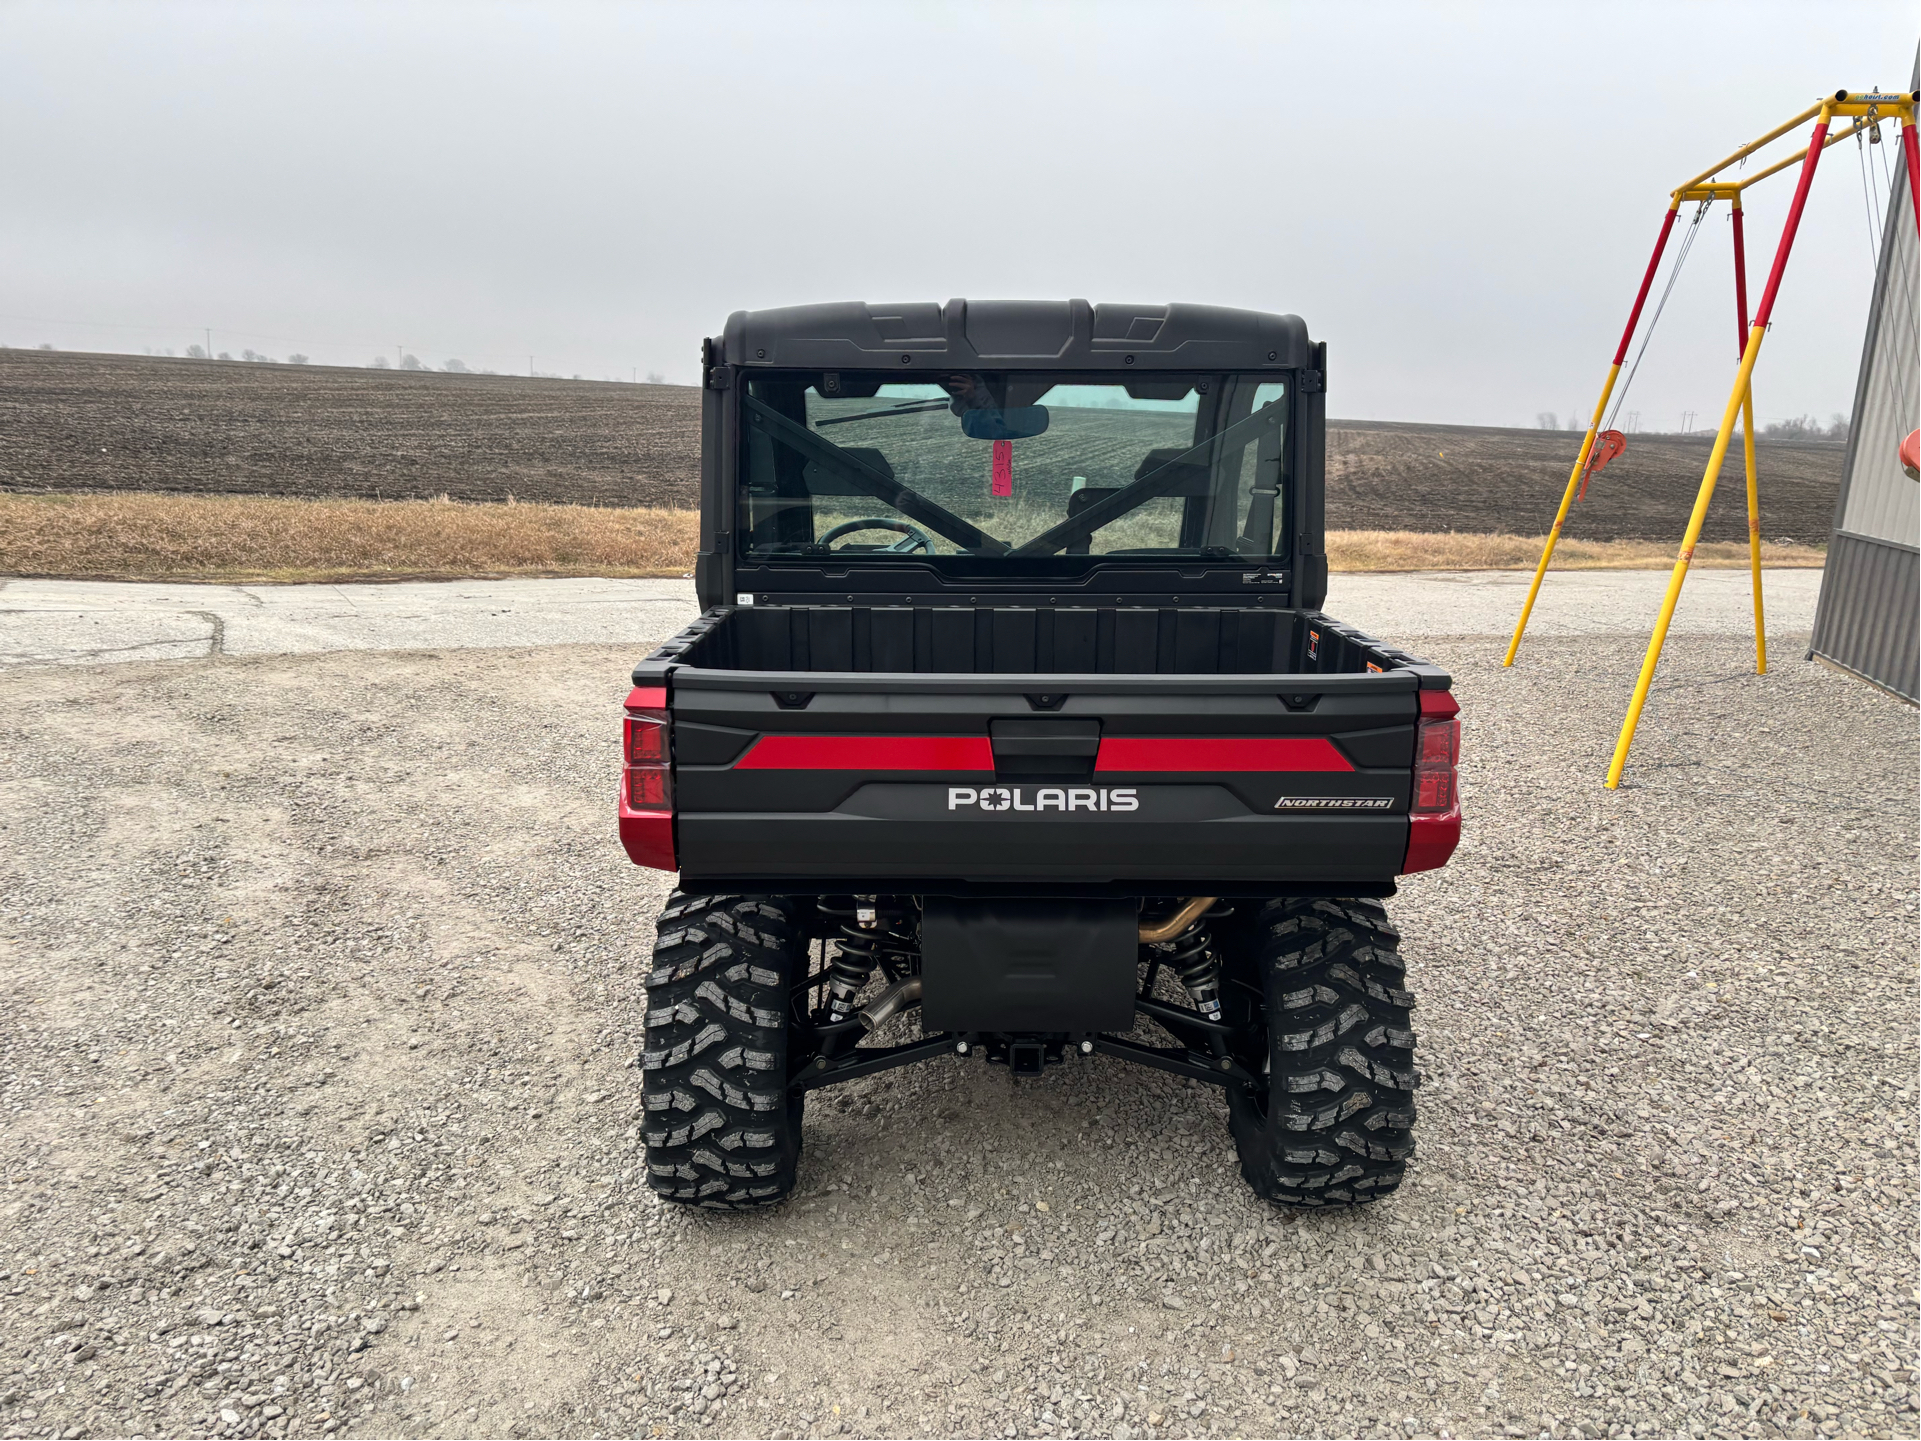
(1016, 467)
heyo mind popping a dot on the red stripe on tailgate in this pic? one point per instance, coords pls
(1204, 753)
(868, 753)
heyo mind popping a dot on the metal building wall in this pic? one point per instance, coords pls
(1869, 617)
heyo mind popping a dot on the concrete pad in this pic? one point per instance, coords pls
(1396, 608)
(31, 636)
(62, 622)
(88, 622)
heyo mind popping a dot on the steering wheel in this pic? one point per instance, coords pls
(913, 538)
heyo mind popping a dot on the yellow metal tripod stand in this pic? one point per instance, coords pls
(1866, 109)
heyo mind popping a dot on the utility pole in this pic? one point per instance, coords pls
(400, 354)
(530, 367)
(209, 334)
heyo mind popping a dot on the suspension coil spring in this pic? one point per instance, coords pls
(1191, 956)
(876, 932)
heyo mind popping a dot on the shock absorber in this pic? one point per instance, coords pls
(1191, 955)
(875, 934)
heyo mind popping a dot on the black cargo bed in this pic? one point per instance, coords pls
(1020, 640)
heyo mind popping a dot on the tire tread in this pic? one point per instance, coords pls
(719, 1126)
(1337, 1128)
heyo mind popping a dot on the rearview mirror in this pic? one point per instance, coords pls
(1015, 423)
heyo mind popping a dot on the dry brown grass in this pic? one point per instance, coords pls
(1380, 550)
(147, 536)
(133, 536)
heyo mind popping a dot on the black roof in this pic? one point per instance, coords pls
(1015, 334)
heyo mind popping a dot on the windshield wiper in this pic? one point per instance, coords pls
(912, 407)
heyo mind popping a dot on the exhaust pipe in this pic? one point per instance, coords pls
(1178, 922)
(890, 1002)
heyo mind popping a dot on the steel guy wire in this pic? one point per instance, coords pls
(1680, 259)
(1870, 205)
(1871, 213)
(1910, 317)
(1872, 177)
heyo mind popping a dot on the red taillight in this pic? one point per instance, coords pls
(650, 785)
(649, 788)
(647, 810)
(1434, 817)
(646, 739)
(1439, 751)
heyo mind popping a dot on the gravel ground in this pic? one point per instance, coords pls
(320, 983)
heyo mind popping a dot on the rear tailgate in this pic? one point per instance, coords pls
(856, 781)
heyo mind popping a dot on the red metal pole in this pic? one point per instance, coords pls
(1576, 477)
(1747, 440)
(1793, 224)
(1743, 378)
(1912, 149)
(1647, 283)
(1740, 280)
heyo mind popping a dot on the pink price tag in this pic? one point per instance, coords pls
(1003, 481)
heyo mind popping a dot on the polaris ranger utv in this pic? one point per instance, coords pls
(1011, 704)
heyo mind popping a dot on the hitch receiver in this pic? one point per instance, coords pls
(1027, 1058)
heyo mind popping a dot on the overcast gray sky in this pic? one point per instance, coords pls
(1458, 198)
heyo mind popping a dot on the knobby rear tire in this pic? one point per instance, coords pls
(1337, 1124)
(721, 1128)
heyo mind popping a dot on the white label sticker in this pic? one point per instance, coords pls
(743, 600)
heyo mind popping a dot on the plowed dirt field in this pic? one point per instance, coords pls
(1387, 476)
(112, 422)
(116, 422)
